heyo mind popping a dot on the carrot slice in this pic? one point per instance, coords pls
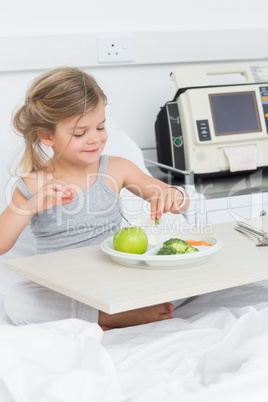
(197, 243)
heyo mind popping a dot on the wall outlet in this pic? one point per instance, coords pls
(116, 48)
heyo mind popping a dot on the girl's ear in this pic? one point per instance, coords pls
(46, 138)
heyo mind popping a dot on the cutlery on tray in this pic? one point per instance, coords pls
(259, 234)
(252, 228)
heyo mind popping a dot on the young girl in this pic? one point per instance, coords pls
(71, 195)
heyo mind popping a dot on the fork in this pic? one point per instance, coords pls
(253, 229)
(130, 224)
(261, 241)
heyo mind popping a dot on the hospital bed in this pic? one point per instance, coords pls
(215, 349)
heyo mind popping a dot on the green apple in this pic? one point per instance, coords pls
(132, 239)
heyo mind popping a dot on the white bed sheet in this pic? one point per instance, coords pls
(215, 349)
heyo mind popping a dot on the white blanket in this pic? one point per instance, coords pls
(216, 349)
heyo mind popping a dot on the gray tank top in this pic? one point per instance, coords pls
(93, 216)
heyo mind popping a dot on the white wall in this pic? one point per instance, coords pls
(167, 32)
(83, 16)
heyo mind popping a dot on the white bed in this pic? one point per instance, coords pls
(215, 349)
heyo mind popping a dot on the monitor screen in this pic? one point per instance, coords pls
(235, 113)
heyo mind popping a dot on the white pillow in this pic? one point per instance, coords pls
(119, 144)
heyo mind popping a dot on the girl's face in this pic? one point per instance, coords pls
(81, 143)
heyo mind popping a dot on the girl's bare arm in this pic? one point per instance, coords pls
(13, 220)
(20, 211)
(163, 198)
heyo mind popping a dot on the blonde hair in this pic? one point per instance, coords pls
(54, 96)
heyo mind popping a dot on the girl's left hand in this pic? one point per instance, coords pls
(165, 200)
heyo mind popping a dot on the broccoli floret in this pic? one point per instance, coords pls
(191, 249)
(176, 246)
(180, 245)
(167, 250)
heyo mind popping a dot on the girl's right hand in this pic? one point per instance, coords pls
(50, 195)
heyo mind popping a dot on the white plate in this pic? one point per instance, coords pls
(149, 260)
